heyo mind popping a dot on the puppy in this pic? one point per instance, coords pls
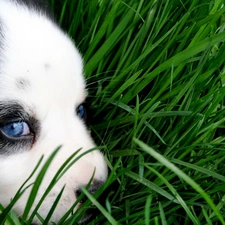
(42, 91)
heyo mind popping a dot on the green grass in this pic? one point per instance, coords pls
(155, 72)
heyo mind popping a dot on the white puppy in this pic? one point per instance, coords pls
(41, 94)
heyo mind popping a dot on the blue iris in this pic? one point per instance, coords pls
(81, 111)
(15, 129)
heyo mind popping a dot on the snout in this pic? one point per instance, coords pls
(88, 164)
(92, 189)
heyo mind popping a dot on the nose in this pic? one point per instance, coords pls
(92, 189)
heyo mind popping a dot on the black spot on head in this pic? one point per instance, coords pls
(23, 84)
(47, 66)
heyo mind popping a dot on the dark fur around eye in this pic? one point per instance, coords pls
(13, 112)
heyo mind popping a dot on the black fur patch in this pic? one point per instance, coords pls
(39, 5)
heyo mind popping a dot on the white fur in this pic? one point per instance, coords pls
(37, 50)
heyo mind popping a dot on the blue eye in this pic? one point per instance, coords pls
(16, 129)
(81, 111)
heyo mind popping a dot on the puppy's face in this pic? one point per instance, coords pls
(41, 94)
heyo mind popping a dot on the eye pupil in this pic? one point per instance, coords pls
(81, 111)
(16, 129)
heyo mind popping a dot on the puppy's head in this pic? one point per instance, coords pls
(42, 90)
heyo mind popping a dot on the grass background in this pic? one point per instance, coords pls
(155, 73)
